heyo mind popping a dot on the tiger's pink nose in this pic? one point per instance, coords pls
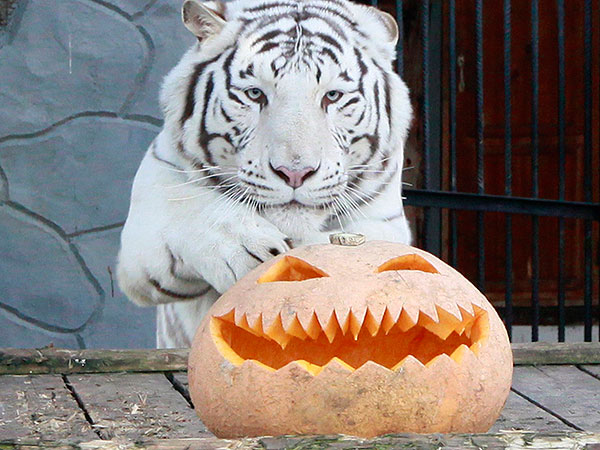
(294, 178)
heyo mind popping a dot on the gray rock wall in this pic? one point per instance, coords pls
(79, 82)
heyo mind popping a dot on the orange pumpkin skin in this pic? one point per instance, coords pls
(381, 338)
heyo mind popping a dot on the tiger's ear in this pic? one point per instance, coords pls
(390, 25)
(204, 19)
(387, 33)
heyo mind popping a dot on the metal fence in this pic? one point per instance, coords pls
(442, 202)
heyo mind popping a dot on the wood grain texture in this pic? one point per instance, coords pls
(513, 441)
(565, 390)
(14, 361)
(40, 406)
(136, 406)
(182, 378)
(551, 353)
(53, 360)
(593, 369)
(519, 414)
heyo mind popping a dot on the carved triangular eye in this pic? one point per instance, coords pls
(408, 262)
(290, 268)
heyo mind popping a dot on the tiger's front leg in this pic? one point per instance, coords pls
(183, 244)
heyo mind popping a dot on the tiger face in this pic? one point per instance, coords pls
(290, 104)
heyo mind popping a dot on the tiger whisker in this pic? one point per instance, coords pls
(360, 193)
(337, 216)
(204, 169)
(355, 206)
(205, 191)
(227, 201)
(378, 162)
(198, 180)
(344, 208)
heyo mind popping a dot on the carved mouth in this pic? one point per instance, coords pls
(351, 341)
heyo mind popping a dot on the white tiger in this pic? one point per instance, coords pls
(285, 121)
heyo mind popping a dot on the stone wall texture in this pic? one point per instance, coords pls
(79, 83)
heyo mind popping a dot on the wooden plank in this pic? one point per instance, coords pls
(519, 414)
(594, 370)
(182, 378)
(53, 360)
(40, 406)
(512, 440)
(136, 406)
(568, 392)
(549, 353)
(16, 361)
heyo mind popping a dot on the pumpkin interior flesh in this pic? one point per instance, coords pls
(408, 262)
(290, 268)
(387, 342)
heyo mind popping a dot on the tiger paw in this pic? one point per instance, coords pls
(233, 249)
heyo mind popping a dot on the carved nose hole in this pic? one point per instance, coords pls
(294, 178)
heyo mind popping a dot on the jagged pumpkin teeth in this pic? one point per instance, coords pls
(311, 340)
(343, 320)
(295, 329)
(367, 340)
(356, 324)
(475, 348)
(388, 321)
(481, 332)
(435, 360)
(405, 323)
(313, 369)
(371, 323)
(332, 328)
(459, 353)
(337, 360)
(435, 328)
(468, 329)
(313, 329)
(261, 365)
(404, 360)
(277, 333)
(256, 324)
(243, 323)
(466, 309)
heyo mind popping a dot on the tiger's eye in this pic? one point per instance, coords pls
(256, 95)
(331, 97)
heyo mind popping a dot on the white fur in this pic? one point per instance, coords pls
(188, 237)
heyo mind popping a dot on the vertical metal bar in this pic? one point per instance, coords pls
(432, 116)
(560, 7)
(374, 3)
(535, 257)
(452, 125)
(508, 275)
(436, 44)
(425, 117)
(587, 181)
(400, 44)
(480, 143)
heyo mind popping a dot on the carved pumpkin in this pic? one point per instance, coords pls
(365, 340)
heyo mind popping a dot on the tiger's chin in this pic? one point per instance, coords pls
(297, 220)
(296, 202)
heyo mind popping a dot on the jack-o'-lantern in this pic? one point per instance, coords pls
(362, 340)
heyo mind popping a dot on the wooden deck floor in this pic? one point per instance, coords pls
(554, 403)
